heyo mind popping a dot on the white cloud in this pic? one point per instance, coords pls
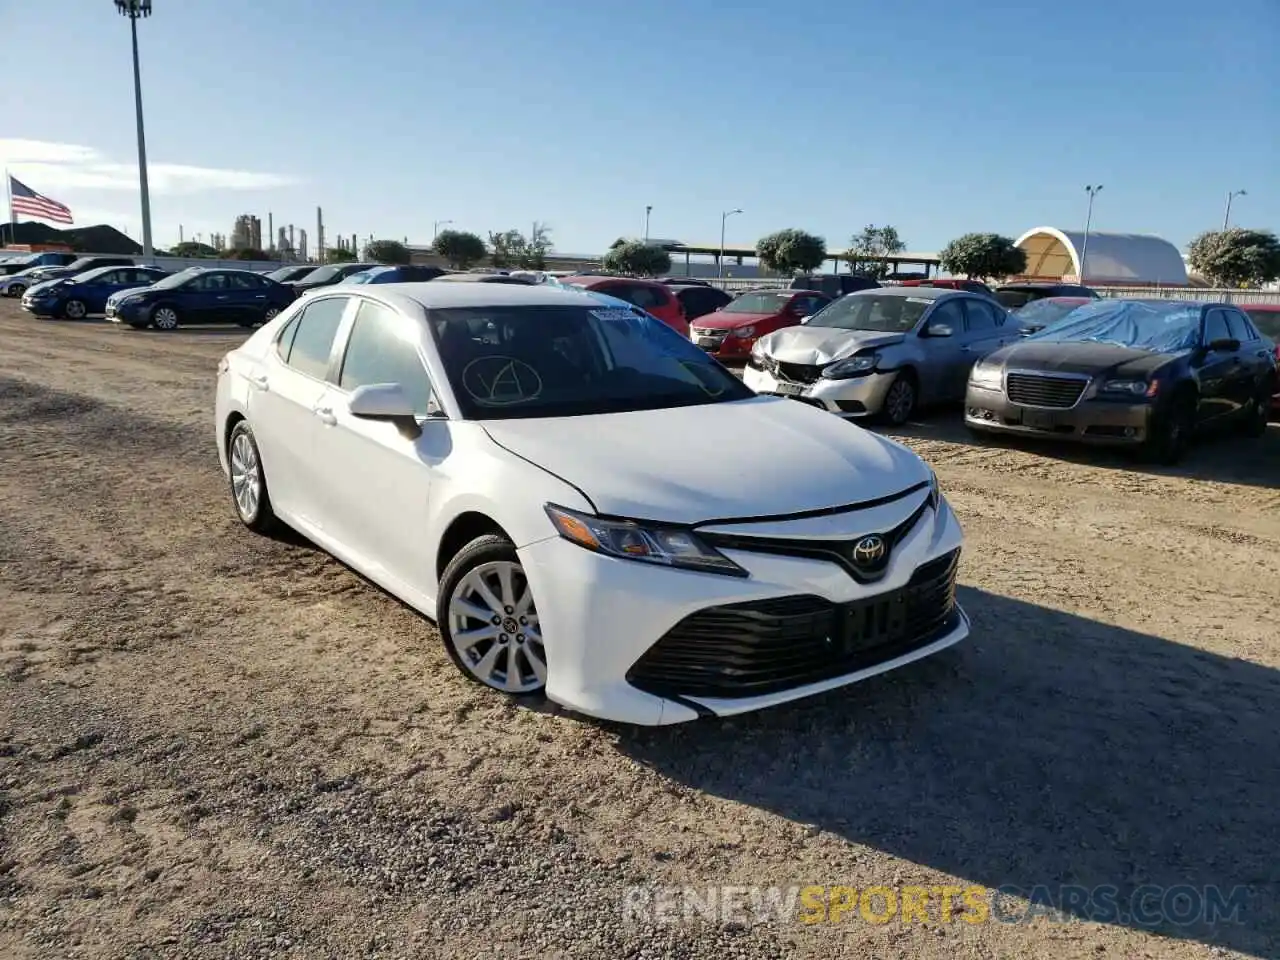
(54, 166)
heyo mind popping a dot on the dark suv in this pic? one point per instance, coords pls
(834, 285)
(1015, 295)
(78, 266)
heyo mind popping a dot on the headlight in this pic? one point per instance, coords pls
(935, 493)
(747, 331)
(669, 546)
(757, 348)
(852, 367)
(987, 375)
(1132, 388)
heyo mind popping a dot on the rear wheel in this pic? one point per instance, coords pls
(75, 310)
(248, 481)
(1258, 414)
(1170, 432)
(488, 619)
(16, 290)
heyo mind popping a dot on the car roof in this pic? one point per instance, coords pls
(1263, 307)
(583, 279)
(919, 293)
(431, 295)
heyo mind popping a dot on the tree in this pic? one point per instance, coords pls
(983, 256)
(512, 249)
(868, 249)
(637, 258)
(460, 248)
(191, 249)
(339, 255)
(791, 251)
(248, 253)
(387, 251)
(1236, 257)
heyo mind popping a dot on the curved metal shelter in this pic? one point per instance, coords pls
(1117, 258)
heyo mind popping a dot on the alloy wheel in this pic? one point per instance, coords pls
(165, 318)
(246, 477)
(17, 289)
(271, 314)
(74, 310)
(900, 401)
(494, 629)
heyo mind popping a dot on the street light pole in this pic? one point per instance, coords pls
(723, 217)
(647, 210)
(133, 9)
(435, 228)
(1226, 220)
(1093, 191)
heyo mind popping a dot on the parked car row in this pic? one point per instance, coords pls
(1144, 373)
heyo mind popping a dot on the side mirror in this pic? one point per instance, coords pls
(1223, 345)
(384, 401)
(937, 330)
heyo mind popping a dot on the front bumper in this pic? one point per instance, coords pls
(646, 644)
(1110, 422)
(127, 312)
(855, 397)
(42, 307)
(722, 344)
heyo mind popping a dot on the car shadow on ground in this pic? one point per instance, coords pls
(1048, 749)
(1221, 455)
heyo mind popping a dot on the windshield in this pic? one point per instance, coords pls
(322, 273)
(561, 361)
(284, 273)
(1159, 327)
(364, 276)
(176, 279)
(758, 303)
(1267, 322)
(1013, 299)
(869, 311)
(1041, 313)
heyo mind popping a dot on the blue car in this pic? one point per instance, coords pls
(200, 295)
(86, 293)
(397, 274)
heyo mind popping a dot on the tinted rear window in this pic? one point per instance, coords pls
(1267, 321)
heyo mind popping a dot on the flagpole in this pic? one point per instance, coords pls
(13, 220)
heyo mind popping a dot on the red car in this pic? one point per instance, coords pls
(950, 283)
(1266, 317)
(730, 332)
(650, 295)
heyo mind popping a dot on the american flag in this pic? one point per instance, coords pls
(22, 199)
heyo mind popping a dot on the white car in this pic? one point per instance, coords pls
(586, 503)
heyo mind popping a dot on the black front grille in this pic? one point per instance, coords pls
(766, 646)
(799, 372)
(1037, 391)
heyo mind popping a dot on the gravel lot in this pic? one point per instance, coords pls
(215, 745)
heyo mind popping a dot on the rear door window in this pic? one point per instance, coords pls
(312, 341)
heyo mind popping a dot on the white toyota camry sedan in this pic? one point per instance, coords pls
(587, 504)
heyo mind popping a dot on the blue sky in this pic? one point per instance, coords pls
(391, 114)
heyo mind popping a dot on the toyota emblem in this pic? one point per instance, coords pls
(869, 551)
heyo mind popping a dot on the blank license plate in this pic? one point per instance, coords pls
(788, 389)
(708, 342)
(1039, 419)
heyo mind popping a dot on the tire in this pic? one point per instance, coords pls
(248, 482)
(75, 310)
(484, 650)
(16, 290)
(900, 399)
(164, 317)
(270, 314)
(1256, 418)
(1171, 432)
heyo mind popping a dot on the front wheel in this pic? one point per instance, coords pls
(16, 290)
(900, 399)
(1170, 432)
(488, 619)
(75, 310)
(164, 318)
(1257, 415)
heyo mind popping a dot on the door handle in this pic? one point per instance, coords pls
(259, 382)
(326, 416)
(260, 296)
(222, 296)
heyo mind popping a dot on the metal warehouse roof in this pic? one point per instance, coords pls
(1136, 258)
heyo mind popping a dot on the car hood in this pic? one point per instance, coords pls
(1092, 359)
(727, 321)
(745, 459)
(48, 286)
(813, 345)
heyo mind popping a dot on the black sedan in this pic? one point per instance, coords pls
(1147, 373)
(329, 275)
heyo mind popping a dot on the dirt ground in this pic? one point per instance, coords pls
(216, 745)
